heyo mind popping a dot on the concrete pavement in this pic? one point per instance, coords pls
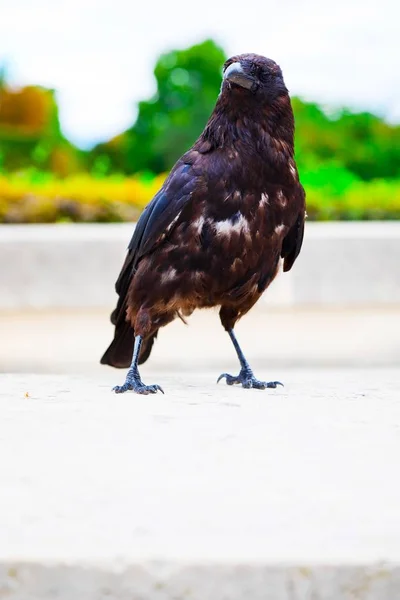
(207, 492)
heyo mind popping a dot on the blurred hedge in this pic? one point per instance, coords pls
(33, 198)
(373, 200)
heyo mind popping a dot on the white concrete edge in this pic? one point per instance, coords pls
(200, 581)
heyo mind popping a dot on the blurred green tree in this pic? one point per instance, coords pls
(188, 83)
(332, 150)
(361, 143)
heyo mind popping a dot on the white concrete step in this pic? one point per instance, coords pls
(76, 266)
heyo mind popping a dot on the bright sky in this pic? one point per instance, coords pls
(99, 54)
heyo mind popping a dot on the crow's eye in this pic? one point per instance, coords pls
(254, 70)
(266, 75)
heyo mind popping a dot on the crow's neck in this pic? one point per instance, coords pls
(266, 134)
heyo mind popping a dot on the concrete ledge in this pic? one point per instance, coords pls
(209, 492)
(170, 581)
(75, 266)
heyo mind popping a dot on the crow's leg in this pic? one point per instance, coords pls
(133, 380)
(246, 376)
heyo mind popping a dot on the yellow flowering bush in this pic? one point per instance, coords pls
(42, 198)
(80, 198)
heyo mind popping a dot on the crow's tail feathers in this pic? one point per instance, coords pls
(119, 353)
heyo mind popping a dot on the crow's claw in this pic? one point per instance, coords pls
(230, 379)
(138, 387)
(248, 380)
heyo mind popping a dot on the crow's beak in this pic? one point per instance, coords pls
(236, 74)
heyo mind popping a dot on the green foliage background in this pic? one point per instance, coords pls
(349, 161)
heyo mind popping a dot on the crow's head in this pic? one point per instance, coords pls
(253, 110)
(253, 75)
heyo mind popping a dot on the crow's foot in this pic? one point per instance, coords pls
(137, 386)
(247, 379)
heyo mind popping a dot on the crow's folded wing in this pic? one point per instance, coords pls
(294, 238)
(156, 220)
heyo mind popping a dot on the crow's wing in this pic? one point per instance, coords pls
(294, 239)
(156, 220)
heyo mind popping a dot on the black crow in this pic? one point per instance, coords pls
(214, 234)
